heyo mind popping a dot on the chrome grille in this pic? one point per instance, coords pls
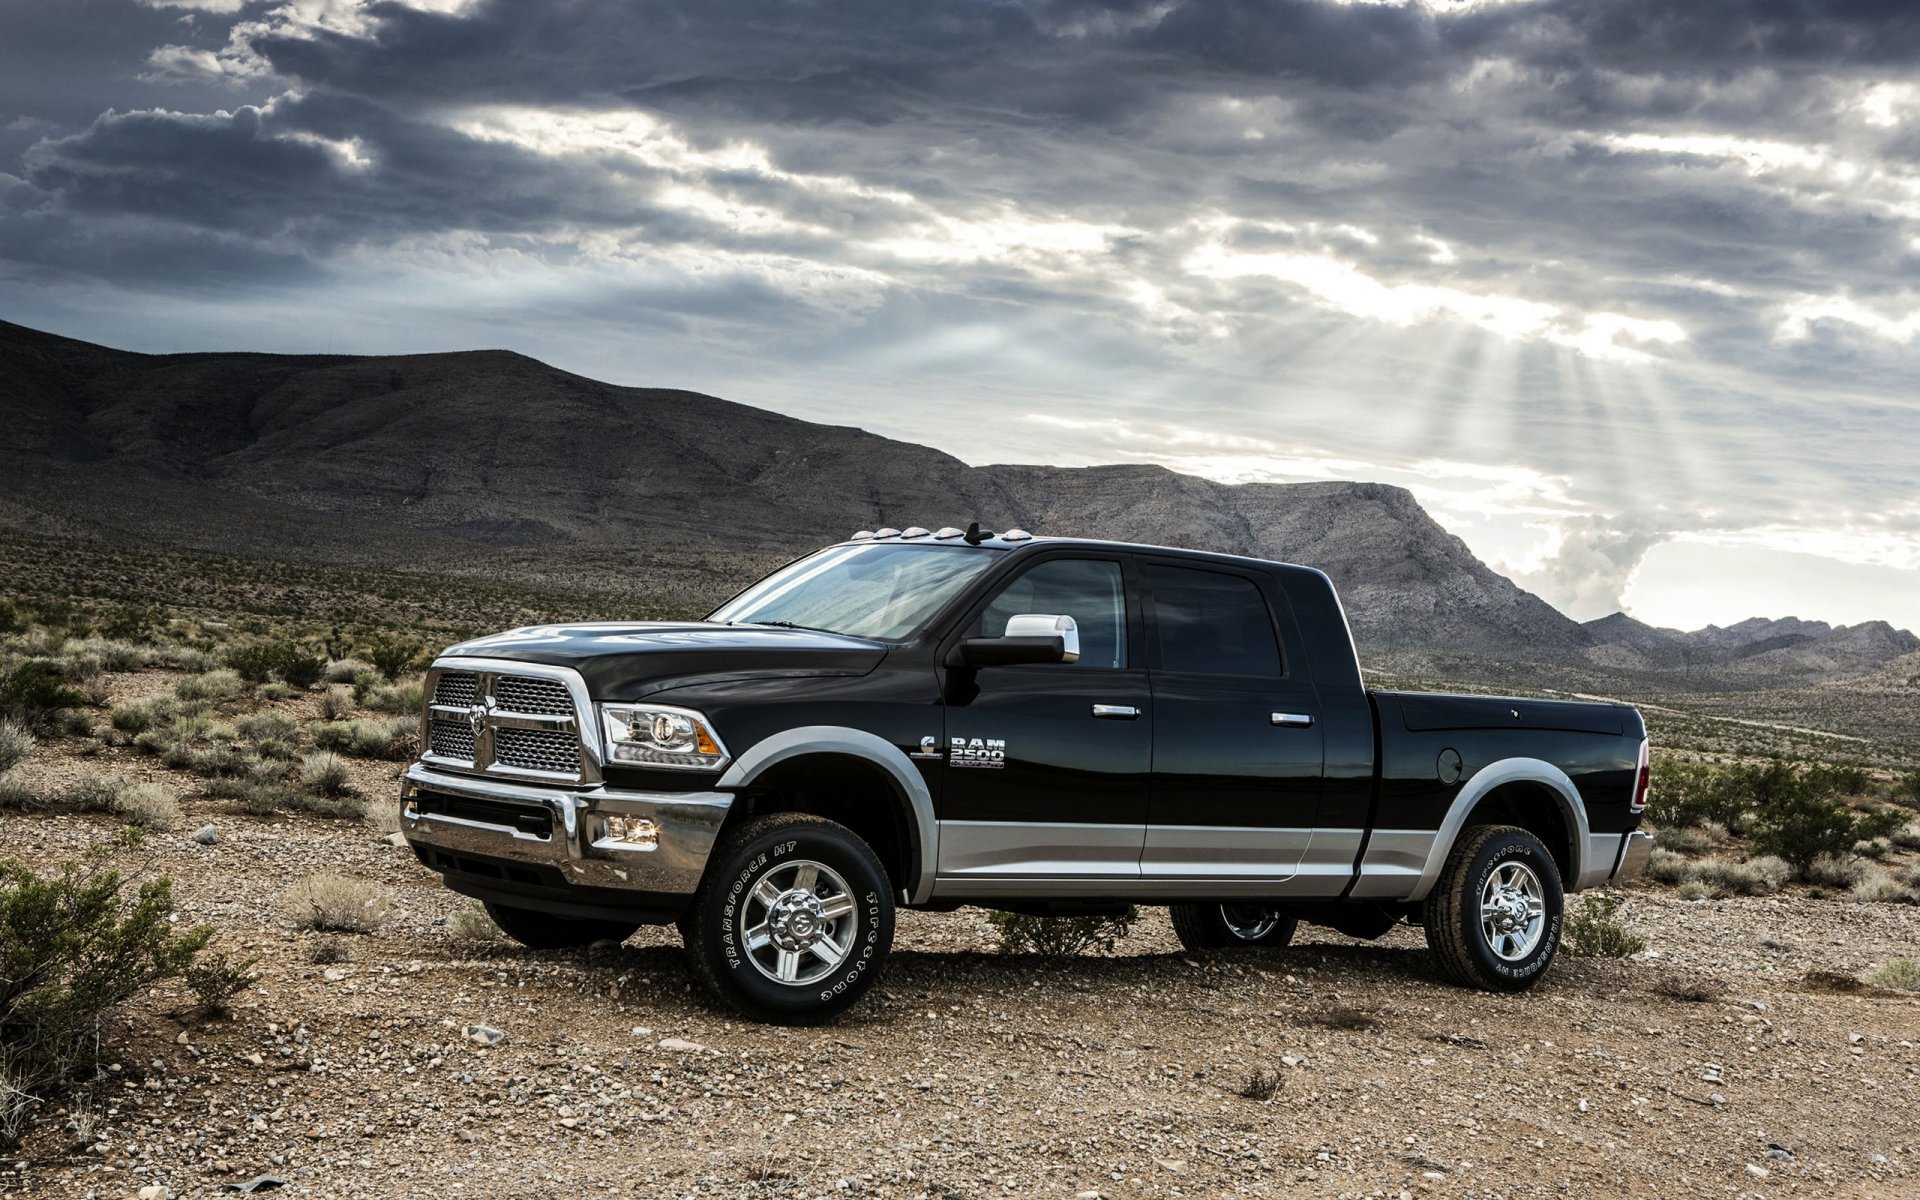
(537, 750)
(507, 721)
(450, 739)
(523, 694)
(457, 687)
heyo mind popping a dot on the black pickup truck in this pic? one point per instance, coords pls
(1051, 726)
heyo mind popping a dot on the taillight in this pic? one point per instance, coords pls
(1644, 782)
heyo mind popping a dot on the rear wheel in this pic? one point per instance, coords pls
(1220, 926)
(544, 931)
(792, 921)
(1493, 917)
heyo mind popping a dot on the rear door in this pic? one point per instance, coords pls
(1047, 765)
(1237, 741)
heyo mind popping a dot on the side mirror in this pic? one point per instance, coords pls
(1030, 638)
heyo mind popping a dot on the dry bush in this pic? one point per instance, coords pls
(1061, 937)
(1901, 974)
(16, 743)
(1835, 870)
(336, 703)
(1754, 877)
(1878, 887)
(389, 737)
(94, 793)
(216, 979)
(404, 697)
(1693, 889)
(329, 902)
(1684, 840)
(17, 795)
(1262, 1085)
(1665, 866)
(1907, 837)
(473, 927)
(344, 670)
(1591, 931)
(213, 687)
(147, 805)
(324, 774)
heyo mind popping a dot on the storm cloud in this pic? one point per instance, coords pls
(1597, 281)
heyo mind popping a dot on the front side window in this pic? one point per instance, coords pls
(883, 591)
(1091, 591)
(1208, 623)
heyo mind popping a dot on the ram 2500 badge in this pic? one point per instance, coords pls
(933, 719)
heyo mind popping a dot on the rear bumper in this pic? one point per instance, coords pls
(1635, 849)
(549, 848)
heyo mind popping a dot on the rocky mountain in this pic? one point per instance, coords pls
(488, 461)
(1758, 647)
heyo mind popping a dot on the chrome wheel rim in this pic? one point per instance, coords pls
(1249, 922)
(1513, 911)
(798, 923)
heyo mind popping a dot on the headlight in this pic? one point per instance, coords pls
(655, 735)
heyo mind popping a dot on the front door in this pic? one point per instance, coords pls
(1048, 765)
(1238, 747)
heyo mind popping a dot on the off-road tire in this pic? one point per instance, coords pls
(1206, 927)
(765, 849)
(1455, 932)
(544, 931)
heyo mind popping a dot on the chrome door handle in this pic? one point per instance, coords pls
(1293, 720)
(1116, 712)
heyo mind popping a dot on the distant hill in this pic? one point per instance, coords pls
(488, 460)
(1758, 647)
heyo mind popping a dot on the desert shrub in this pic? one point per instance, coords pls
(300, 668)
(1690, 793)
(408, 697)
(213, 687)
(253, 663)
(1901, 974)
(1834, 870)
(364, 683)
(35, 693)
(16, 743)
(133, 719)
(1804, 827)
(253, 796)
(336, 702)
(1696, 840)
(276, 691)
(128, 624)
(1061, 937)
(1878, 887)
(393, 656)
(75, 946)
(9, 618)
(327, 902)
(391, 737)
(117, 655)
(17, 795)
(324, 774)
(147, 805)
(1262, 1084)
(1751, 878)
(215, 979)
(1907, 837)
(94, 793)
(1664, 866)
(193, 660)
(1693, 889)
(345, 670)
(472, 926)
(1591, 931)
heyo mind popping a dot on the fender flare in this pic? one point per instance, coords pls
(854, 743)
(1497, 774)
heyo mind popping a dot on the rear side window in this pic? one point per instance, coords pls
(1088, 590)
(1207, 623)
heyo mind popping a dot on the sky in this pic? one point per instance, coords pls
(1624, 293)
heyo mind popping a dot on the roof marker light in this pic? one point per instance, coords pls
(865, 535)
(947, 532)
(913, 531)
(887, 532)
(1016, 535)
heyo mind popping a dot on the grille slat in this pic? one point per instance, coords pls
(518, 693)
(457, 687)
(537, 750)
(451, 739)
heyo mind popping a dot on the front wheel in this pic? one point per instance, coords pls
(1493, 917)
(544, 931)
(793, 919)
(1222, 926)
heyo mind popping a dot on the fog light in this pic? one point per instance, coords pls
(410, 809)
(638, 832)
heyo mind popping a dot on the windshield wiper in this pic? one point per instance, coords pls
(787, 625)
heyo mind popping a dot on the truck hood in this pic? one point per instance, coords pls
(625, 661)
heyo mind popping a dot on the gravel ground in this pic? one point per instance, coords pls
(971, 1074)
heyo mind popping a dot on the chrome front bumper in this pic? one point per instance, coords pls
(501, 832)
(1635, 850)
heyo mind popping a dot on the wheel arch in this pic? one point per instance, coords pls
(1501, 791)
(866, 768)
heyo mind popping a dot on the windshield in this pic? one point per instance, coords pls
(872, 591)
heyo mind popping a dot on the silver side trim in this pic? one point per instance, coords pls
(1060, 850)
(1603, 850)
(1634, 853)
(1396, 858)
(838, 739)
(1507, 770)
(1217, 850)
(1131, 887)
